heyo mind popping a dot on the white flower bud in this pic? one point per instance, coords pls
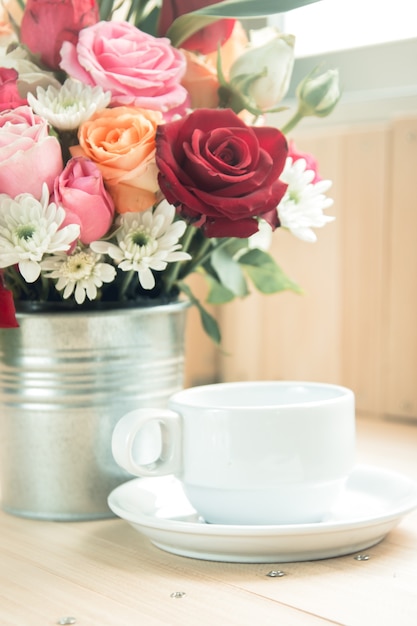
(263, 73)
(318, 95)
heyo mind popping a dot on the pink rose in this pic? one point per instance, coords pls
(221, 174)
(46, 24)
(9, 93)
(140, 70)
(29, 157)
(311, 162)
(80, 191)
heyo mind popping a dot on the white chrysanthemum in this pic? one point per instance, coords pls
(70, 105)
(301, 208)
(29, 229)
(146, 241)
(80, 273)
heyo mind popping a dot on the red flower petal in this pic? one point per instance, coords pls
(7, 309)
(205, 40)
(221, 173)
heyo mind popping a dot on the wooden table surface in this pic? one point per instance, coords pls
(105, 573)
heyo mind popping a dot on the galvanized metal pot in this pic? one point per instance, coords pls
(65, 380)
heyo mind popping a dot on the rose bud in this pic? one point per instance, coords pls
(206, 39)
(318, 95)
(9, 93)
(46, 24)
(79, 189)
(263, 73)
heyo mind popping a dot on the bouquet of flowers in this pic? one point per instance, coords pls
(134, 152)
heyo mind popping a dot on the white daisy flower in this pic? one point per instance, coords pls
(146, 241)
(70, 105)
(29, 229)
(302, 206)
(80, 273)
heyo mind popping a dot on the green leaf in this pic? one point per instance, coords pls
(234, 245)
(218, 293)
(265, 274)
(186, 25)
(229, 271)
(106, 8)
(208, 322)
(147, 23)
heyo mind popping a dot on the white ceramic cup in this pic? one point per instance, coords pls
(268, 452)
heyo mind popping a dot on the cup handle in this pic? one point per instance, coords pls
(129, 428)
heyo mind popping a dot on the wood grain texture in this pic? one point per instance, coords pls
(107, 573)
(365, 192)
(400, 362)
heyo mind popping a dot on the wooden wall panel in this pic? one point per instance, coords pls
(365, 191)
(400, 362)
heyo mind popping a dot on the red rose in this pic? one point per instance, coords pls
(205, 40)
(9, 94)
(46, 24)
(220, 173)
(7, 310)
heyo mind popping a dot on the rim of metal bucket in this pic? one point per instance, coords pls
(151, 307)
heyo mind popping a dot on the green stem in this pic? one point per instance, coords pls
(44, 289)
(16, 278)
(125, 284)
(173, 270)
(296, 118)
(207, 251)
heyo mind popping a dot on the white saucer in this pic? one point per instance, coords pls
(372, 503)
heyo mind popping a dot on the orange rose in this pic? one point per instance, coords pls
(200, 78)
(231, 50)
(121, 142)
(200, 81)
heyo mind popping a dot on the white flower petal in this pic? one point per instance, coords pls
(30, 229)
(302, 206)
(146, 278)
(106, 272)
(146, 241)
(29, 270)
(70, 105)
(104, 247)
(79, 273)
(69, 288)
(263, 238)
(173, 257)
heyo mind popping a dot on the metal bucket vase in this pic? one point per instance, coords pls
(65, 380)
